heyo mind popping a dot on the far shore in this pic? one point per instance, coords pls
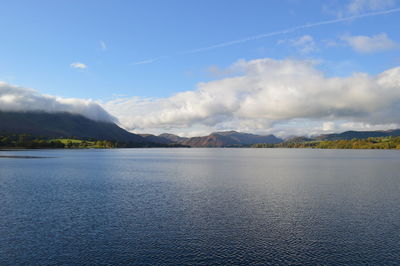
(22, 157)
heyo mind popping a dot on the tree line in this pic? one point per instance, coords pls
(31, 142)
(26, 141)
(369, 143)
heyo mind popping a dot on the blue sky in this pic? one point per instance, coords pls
(106, 50)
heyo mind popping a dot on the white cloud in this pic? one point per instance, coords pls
(79, 65)
(103, 46)
(359, 6)
(265, 97)
(370, 44)
(328, 126)
(19, 99)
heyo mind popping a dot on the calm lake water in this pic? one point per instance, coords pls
(200, 206)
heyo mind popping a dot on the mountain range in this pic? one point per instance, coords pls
(238, 139)
(230, 139)
(216, 139)
(67, 125)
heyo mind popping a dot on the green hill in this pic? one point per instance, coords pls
(63, 125)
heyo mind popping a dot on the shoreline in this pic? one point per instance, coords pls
(23, 157)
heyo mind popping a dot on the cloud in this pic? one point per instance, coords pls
(79, 65)
(359, 6)
(328, 126)
(103, 46)
(305, 44)
(19, 99)
(266, 96)
(367, 44)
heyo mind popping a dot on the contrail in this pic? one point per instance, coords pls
(286, 31)
(281, 32)
(148, 61)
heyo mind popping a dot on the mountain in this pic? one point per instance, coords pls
(248, 139)
(229, 139)
(298, 139)
(173, 138)
(157, 139)
(212, 140)
(63, 125)
(359, 135)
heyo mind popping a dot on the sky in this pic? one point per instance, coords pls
(287, 67)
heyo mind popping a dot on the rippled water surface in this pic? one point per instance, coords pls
(200, 206)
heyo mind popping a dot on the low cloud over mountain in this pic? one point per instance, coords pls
(14, 98)
(267, 95)
(284, 97)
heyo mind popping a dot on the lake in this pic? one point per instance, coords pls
(200, 206)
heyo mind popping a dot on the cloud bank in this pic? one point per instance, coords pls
(284, 97)
(19, 99)
(270, 96)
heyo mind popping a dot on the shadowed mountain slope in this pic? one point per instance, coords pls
(63, 125)
(156, 139)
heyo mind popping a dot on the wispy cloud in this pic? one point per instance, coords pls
(103, 46)
(370, 44)
(293, 29)
(304, 44)
(359, 6)
(275, 33)
(79, 65)
(148, 61)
